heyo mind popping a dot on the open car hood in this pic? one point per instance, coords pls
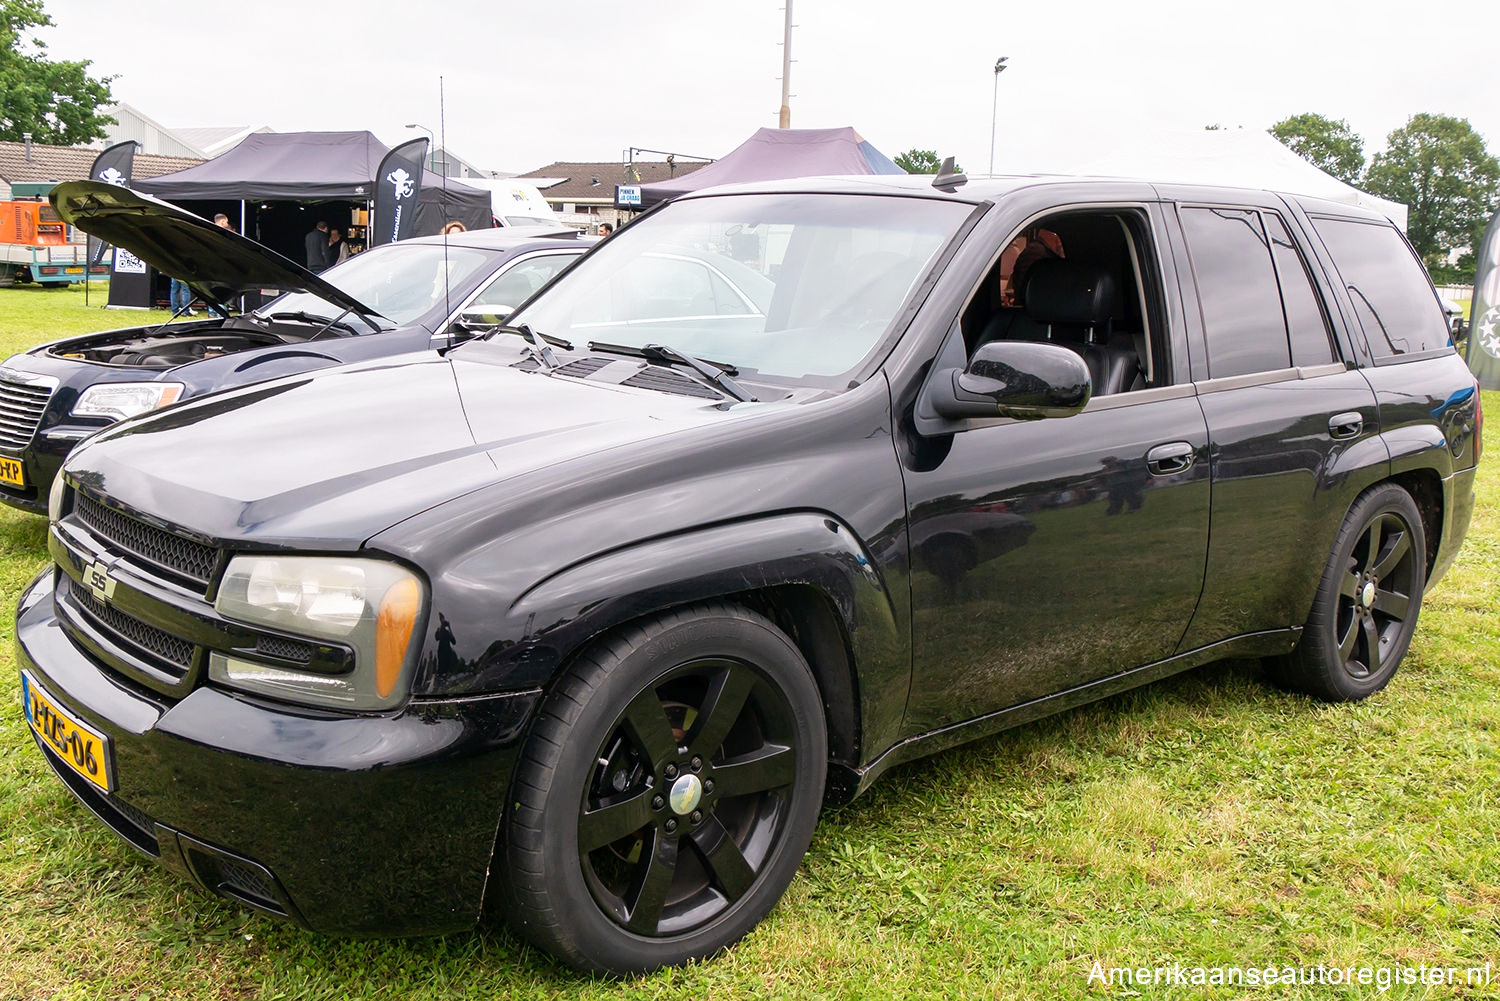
(215, 262)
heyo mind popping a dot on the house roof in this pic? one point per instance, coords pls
(72, 163)
(213, 140)
(589, 181)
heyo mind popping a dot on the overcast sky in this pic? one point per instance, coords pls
(530, 83)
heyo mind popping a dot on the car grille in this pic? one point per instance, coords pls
(168, 653)
(21, 407)
(183, 557)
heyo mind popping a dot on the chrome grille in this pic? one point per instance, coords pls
(167, 652)
(21, 407)
(184, 557)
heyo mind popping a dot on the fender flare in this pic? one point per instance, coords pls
(806, 550)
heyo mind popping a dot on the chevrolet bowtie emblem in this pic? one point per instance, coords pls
(97, 577)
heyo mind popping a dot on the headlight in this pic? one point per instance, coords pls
(372, 606)
(119, 400)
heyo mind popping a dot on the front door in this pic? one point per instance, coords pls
(1050, 554)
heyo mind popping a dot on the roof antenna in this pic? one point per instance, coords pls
(949, 179)
(443, 132)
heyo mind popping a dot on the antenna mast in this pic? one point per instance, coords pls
(786, 71)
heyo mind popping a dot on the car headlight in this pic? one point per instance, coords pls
(119, 400)
(371, 606)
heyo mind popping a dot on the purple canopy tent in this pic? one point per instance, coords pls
(772, 154)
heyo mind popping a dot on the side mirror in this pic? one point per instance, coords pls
(474, 320)
(1023, 380)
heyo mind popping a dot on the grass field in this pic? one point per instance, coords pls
(1209, 820)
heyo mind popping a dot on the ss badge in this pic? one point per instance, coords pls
(97, 577)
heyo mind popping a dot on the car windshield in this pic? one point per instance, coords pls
(799, 287)
(401, 282)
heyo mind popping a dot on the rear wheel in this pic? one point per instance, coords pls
(1366, 607)
(667, 792)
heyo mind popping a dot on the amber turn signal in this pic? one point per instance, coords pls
(393, 628)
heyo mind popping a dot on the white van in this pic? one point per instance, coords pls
(515, 203)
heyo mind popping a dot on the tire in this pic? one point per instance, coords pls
(666, 793)
(1366, 607)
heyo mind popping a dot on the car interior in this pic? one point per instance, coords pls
(1075, 279)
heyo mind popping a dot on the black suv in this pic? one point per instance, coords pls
(779, 487)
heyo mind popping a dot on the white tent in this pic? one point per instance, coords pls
(1236, 158)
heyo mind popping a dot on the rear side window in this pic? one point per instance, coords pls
(1306, 328)
(1391, 293)
(1237, 291)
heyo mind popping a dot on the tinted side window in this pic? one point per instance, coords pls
(1237, 291)
(1391, 293)
(517, 285)
(1304, 315)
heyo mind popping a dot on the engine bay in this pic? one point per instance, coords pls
(163, 350)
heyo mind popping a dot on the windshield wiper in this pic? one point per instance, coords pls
(538, 341)
(660, 354)
(307, 317)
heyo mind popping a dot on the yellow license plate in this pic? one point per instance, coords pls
(72, 271)
(79, 747)
(12, 472)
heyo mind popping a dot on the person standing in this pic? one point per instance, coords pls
(181, 298)
(317, 246)
(338, 248)
(221, 220)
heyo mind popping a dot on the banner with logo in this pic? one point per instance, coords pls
(113, 166)
(397, 183)
(1483, 354)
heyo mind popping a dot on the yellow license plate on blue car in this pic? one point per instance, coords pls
(81, 748)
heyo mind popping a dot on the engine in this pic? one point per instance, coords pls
(160, 352)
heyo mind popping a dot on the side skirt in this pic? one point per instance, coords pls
(846, 782)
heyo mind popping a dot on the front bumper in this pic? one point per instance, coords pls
(42, 458)
(381, 825)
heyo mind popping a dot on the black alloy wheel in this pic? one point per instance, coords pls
(667, 792)
(1366, 607)
(1375, 595)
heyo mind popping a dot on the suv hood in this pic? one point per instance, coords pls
(335, 458)
(215, 262)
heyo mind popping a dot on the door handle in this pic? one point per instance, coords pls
(1173, 457)
(1349, 425)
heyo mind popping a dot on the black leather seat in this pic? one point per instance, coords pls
(1073, 304)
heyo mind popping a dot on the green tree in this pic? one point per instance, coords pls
(57, 102)
(921, 161)
(1329, 145)
(1439, 167)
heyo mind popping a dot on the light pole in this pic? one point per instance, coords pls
(994, 108)
(432, 151)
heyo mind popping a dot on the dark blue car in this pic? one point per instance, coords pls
(408, 296)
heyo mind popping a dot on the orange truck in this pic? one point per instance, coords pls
(34, 246)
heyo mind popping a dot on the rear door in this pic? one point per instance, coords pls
(1293, 425)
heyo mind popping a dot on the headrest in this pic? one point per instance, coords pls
(1060, 291)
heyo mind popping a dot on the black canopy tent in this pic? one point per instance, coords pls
(307, 169)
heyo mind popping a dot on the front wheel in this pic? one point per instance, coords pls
(1366, 607)
(667, 792)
